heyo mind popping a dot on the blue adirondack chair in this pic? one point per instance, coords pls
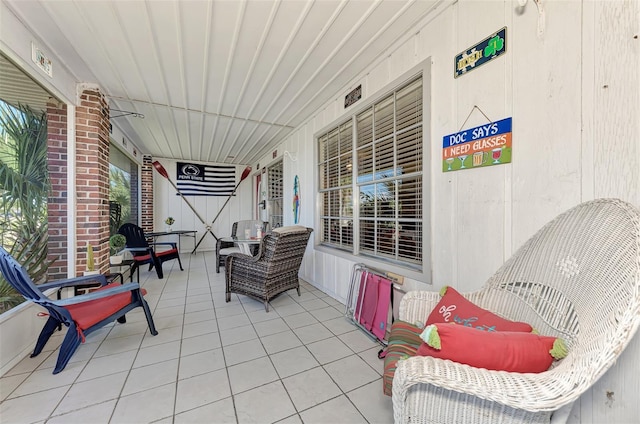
(145, 253)
(82, 314)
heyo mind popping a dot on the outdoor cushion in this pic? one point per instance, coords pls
(493, 350)
(453, 307)
(404, 341)
(86, 314)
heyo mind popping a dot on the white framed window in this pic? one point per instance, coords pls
(370, 170)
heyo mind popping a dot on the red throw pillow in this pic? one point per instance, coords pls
(493, 350)
(454, 308)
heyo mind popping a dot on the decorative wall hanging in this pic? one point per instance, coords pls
(485, 145)
(296, 200)
(483, 52)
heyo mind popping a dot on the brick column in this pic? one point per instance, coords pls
(57, 201)
(92, 179)
(146, 197)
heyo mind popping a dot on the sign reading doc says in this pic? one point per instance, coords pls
(485, 145)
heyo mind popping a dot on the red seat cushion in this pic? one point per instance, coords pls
(167, 252)
(142, 258)
(89, 313)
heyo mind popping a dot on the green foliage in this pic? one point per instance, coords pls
(120, 192)
(117, 243)
(24, 187)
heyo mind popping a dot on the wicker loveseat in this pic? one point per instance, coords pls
(273, 270)
(578, 278)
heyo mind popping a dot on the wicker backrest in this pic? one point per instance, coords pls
(578, 278)
(284, 247)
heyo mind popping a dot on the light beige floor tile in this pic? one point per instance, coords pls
(339, 325)
(251, 374)
(167, 312)
(337, 410)
(329, 350)
(310, 388)
(171, 302)
(351, 372)
(313, 333)
(128, 329)
(358, 341)
(94, 414)
(106, 365)
(168, 322)
(372, 403)
(300, 320)
(29, 364)
(293, 419)
(293, 361)
(200, 328)
(145, 378)
(200, 343)
(233, 321)
(45, 380)
(370, 356)
(92, 392)
(313, 304)
(198, 316)
(280, 341)
(119, 345)
(230, 309)
(159, 353)
(262, 316)
(273, 326)
(242, 352)
(22, 410)
(201, 363)
(9, 383)
(264, 404)
(144, 407)
(326, 314)
(287, 310)
(220, 412)
(167, 335)
(201, 390)
(238, 335)
(206, 305)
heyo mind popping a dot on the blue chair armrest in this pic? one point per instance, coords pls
(76, 281)
(121, 288)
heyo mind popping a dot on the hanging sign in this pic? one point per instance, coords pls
(483, 52)
(486, 145)
(353, 96)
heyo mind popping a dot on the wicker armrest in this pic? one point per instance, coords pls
(545, 391)
(417, 305)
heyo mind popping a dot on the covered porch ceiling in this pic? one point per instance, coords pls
(218, 81)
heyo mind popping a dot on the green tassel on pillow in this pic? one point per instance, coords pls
(431, 337)
(559, 350)
(443, 291)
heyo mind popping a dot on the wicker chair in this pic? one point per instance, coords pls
(224, 248)
(577, 278)
(273, 270)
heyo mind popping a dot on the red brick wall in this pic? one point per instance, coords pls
(92, 180)
(146, 197)
(57, 202)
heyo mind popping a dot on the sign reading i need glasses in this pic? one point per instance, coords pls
(483, 52)
(486, 145)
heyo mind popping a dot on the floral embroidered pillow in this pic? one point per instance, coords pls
(454, 308)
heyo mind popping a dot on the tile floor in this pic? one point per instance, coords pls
(212, 362)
